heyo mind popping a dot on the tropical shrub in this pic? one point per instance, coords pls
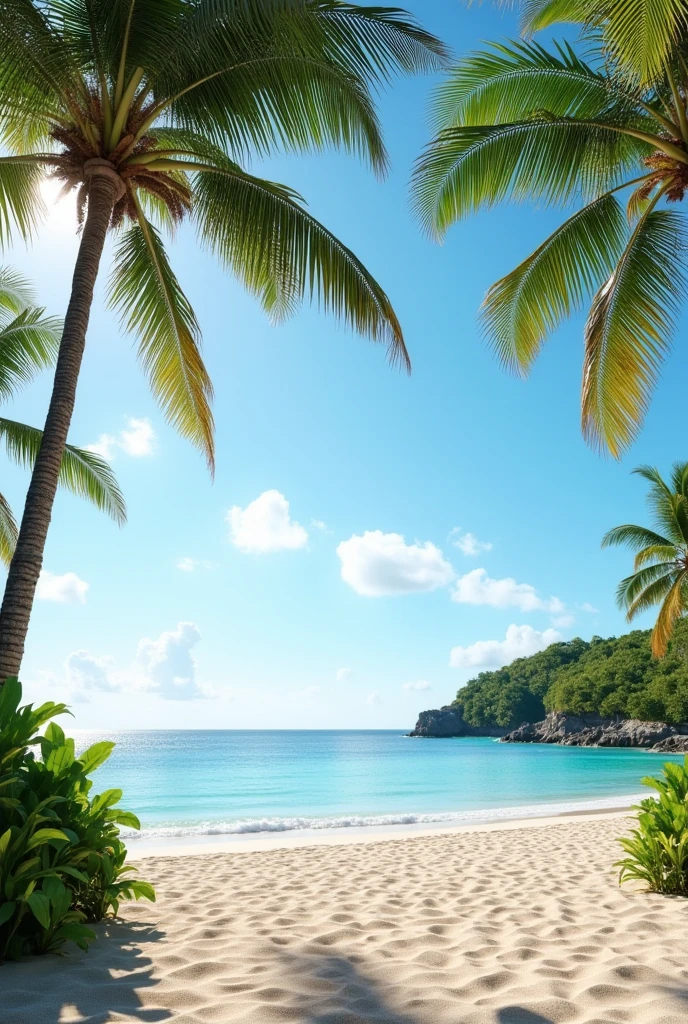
(657, 850)
(62, 862)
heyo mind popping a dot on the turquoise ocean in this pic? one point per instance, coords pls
(195, 783)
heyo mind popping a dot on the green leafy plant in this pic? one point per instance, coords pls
(62, 861)
(657, 850)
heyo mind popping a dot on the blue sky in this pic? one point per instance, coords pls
(335, 594)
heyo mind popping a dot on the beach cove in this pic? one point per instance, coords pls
(500, 924)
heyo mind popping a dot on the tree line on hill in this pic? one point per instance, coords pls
(613, 676)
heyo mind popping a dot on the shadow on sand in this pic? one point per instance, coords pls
(110, 979)
(342, 994)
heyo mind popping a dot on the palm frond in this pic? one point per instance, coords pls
(642, 35)
(523, 308)
(638, 592)
(635, 537)
(628, 331)
(28, 344)
(8, 532)
(16, 293)
(551, 159)
(151, 304)
(540, 14)
(655, 553)
(281, 253)
(673, 607)
(21, 206)
(679, 478)
(82, 472)
(512, 81)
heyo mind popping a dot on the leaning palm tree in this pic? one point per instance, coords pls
(149, 110)
(521, 121)
(29, 343)
(660, 575)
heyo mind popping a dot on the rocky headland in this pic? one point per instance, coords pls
(595, 731)
(558, 727)
(447, 722)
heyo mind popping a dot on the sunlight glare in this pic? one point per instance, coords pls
(61, 211)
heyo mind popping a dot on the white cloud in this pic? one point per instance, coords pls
(137, 440)
(66, 589)
(519, 642)
(422, 684)
(590, 608)
(318, 524)
(377, 564)
(343, 674)
(468, 543)
(105, 447)
(264, 525)
(476, 587)
(373, 698)
(169, 665)
(88, 674)
(191, 564)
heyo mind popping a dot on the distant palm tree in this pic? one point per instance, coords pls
(520, 121)
(660, 574)
(29, 342)
(149, 109)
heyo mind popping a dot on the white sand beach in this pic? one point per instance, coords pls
(504, 925)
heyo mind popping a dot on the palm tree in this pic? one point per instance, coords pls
(149, 109)
(660, 575)
(521, 121)
(29, 342)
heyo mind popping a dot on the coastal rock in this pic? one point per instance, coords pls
(673, 745)
(590, 730)
(446, 722)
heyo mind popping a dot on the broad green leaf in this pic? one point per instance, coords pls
(142, 890)
(6, 911)
(126, 818)
(45, 835)
(61, 758)
(40, 907)
(96, 755)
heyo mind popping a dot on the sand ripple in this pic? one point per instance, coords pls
(520, 926)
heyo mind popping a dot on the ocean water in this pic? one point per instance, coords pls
(193, 783)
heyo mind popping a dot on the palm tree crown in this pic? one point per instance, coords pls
(660, 574)
(172, 96)
(520, 121)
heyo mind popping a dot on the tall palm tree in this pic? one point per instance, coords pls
(149, 109)
(29, 342)
(660, 575)
(522, 121)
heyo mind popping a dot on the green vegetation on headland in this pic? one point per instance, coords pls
(616, 676)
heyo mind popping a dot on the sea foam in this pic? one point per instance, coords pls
(247, 826)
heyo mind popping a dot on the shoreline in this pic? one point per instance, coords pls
(200, 845)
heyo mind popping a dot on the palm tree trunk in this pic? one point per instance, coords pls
(25, 568)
